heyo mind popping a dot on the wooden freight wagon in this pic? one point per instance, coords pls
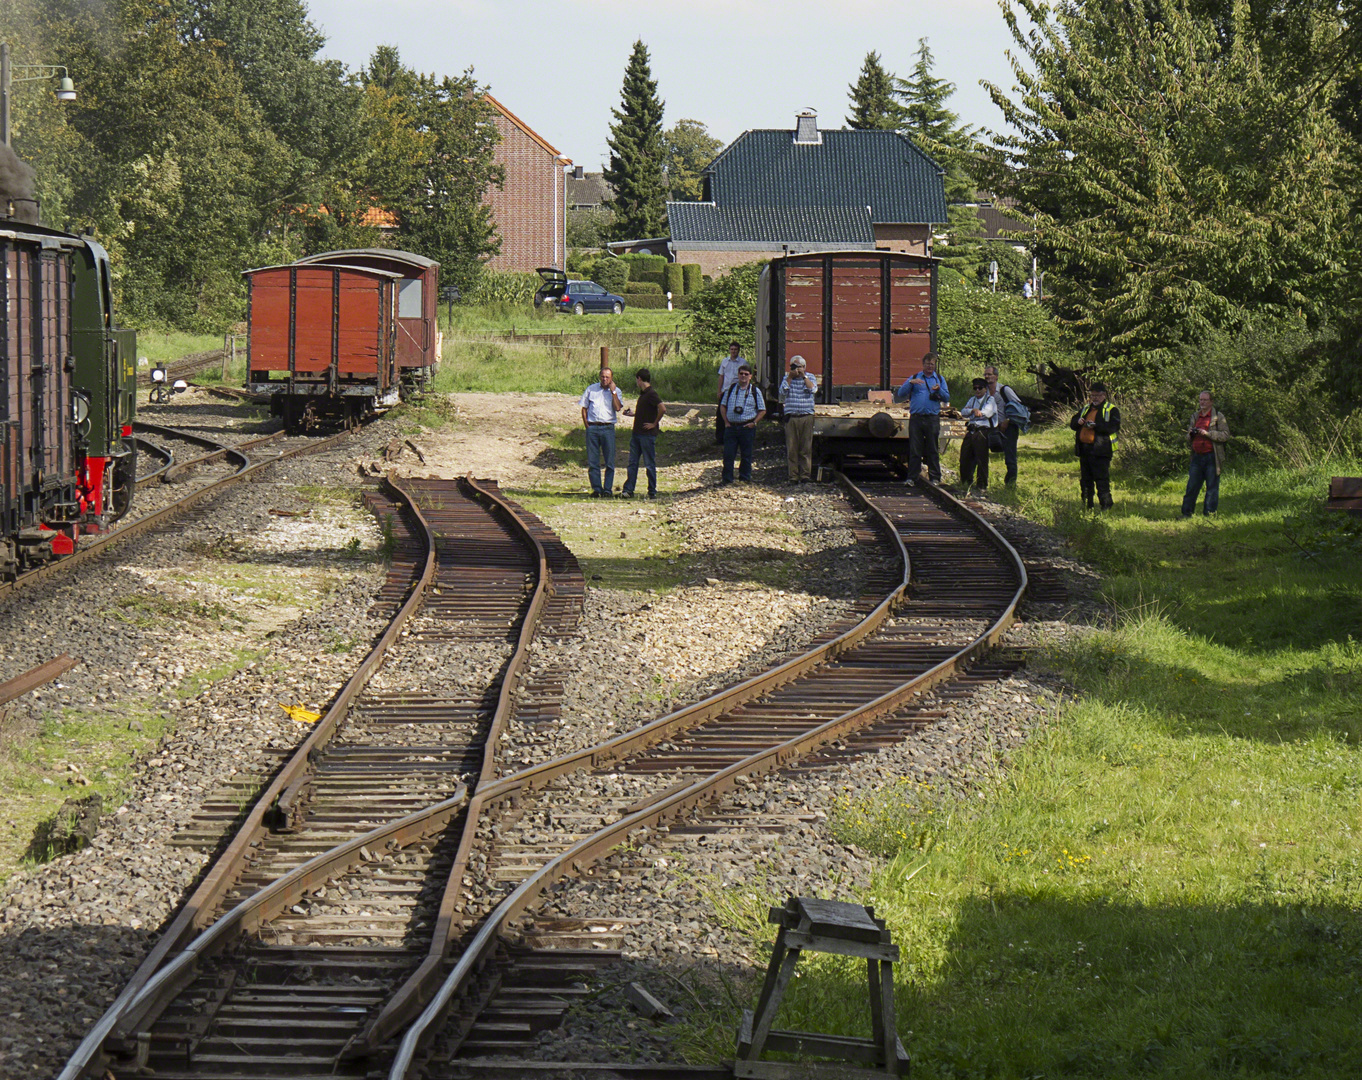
(37, 455)
(322, 341)
(418, 332)
(862, 320)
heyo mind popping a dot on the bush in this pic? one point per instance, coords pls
(674, 279)
(642, 288)
(694, 279)
(651, 277)
(977, 327)
(504, 287)
(611, 274)
(1270, 380)
(656, 302)
(643, 264)
(726, 310)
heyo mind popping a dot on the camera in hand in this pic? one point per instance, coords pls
(934, 395)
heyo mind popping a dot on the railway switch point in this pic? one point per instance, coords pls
(826, 926)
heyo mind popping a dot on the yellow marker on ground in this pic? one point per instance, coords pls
(303, 716)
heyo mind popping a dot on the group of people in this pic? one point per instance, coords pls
(990, 414)
(989, 426)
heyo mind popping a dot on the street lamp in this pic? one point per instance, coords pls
(66, 89)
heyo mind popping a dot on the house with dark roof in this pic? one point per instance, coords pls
(530, 208)
(775, 191)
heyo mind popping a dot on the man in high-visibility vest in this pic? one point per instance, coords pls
(1095, 427)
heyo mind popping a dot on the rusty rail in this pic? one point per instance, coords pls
(670, 805)
(44, 673)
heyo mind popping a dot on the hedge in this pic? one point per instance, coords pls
(654, 302)
(643, 264)
(611, 274)
(694, 277)
(674, 279)
(652, 277)
(642, 288)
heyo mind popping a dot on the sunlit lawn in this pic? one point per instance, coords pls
(1168, 882)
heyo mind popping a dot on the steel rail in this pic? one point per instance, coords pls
(44, 673)
(402, 1005)
(671, 805)
(166, 457)
(247, 469)
(215, 451)
(139, 998)
(406, 1002)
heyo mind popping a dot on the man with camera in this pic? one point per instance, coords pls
(741, 407)
(925, 392)
(1208, 433)
(796, 394)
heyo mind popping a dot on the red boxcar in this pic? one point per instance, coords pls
(418, 332)
(862, 319)
(323, 341)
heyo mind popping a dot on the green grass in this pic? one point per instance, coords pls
(1166, 881)
(525, 319)
(163, 346)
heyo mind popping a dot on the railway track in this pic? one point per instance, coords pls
(354, 938)
(270, 449)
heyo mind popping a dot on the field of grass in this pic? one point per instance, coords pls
(524, 319)
(1168, 883)
(163, 346)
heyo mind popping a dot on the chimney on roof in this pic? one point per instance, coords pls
(806, 127)
(579, 173)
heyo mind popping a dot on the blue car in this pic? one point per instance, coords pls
(578, 297)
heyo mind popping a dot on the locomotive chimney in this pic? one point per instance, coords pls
(18, 200)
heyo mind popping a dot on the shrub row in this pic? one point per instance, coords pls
(642, 288)
(655, 302)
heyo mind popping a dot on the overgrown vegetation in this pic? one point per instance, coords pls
(1164, 881)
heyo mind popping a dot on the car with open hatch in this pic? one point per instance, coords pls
(578, 297)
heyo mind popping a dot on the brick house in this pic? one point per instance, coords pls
(774, 191)
(530, 209)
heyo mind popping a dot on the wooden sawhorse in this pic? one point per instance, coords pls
(827, 926)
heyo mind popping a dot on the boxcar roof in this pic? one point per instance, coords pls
(374, 271)
(408, 258)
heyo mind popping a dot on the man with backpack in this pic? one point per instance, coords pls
(1013, 419)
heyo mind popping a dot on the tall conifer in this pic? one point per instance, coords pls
(637, 154)
(872, 98)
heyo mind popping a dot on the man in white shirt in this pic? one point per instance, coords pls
(980, 413)
(728, 375)
(601, 406)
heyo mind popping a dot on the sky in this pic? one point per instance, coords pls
(559, 64)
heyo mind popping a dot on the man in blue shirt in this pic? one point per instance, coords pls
(601, 406)
(926, 392)
(740, 408)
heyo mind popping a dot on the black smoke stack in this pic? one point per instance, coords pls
(18, 196)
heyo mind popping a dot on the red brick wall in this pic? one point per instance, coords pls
(530, 210)
(913, 239)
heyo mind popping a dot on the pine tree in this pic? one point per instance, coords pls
(873, 98)
(637, 154)
(930, 123)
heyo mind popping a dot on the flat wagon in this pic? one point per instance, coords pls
(322, 341)
(863, 321)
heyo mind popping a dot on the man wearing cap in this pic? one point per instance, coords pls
(796, 394)
(740, 408)
(926, 393)
(980, 413)
(601, 405)
(1095, 427)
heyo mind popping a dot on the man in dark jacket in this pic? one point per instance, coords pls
(1095, 428)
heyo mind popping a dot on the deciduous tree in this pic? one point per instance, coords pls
(1180, 182)
(689, 148)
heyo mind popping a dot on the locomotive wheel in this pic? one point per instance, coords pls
(122, 482)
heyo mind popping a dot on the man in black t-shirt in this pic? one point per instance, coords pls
(648, 414)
